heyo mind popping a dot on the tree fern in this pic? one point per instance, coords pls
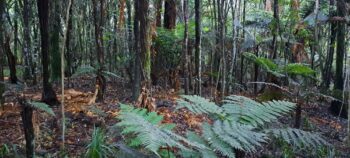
(298, 138)
(42, 106)
(146, 130)
(248, 111)
(198, 105)
(238, 124)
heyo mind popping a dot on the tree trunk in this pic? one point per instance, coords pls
(337, 107)
(121, 22)
(198, 53)
(28, 128)
(54, 33)
(170, 14)
(11, 60)
(145, 41)
(159, 7)
(137, 62)
(48, 95)
(69, 70)
(2, 54)
(185, 48)
(28, 63)
(327, 72)
(98, 11)
(275, 29)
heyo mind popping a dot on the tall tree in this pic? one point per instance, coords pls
(48, 95)
(159, 7)
(136, 63)
(170, 14)
(198, 53)
(54, 34)
(99, 15)
(340, 53)
(2, 54)
(185, 48)
(275, 29)
(11, 60)
(327, 72)
(28, 63)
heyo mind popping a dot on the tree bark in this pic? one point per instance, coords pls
(2, 54)
(159, 7)
(11, 60)
(185, 48)
(28, 128)
(275, 29)
(337, 107)
(98, 11)
(28, 63)
(198, 43)
(137, 60)
(54, 34)
(170, 14)
(48, 95)
(327, 73)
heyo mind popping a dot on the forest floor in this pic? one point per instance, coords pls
(82, 118)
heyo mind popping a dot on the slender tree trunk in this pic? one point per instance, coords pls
(49, 95)
(27, 120)
(137, 62)
(121, 22)
(28, 63)
(68, 54)
(11, 60)
(198, 53)
(54, 33)
(98, 11)
(337, 107)
(327, 73)
(170, 14)
(159, 7)
(275, 29)
(2, 54)
(185, 48)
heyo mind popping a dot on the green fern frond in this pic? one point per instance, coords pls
(248, 111)
(216, 143)
(98, 148)
(42, 106)
(198, 105)
(205, 153)
(299, 138)
(145, 128)
(298, 69)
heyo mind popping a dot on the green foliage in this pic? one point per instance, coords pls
(168, 50)
(239, 123)
(145, 129)
(198, 105)
(42, 106)
(248, 111)
(299, 138)
(4, 151)
(268, 65)
(98, 148)
(89, 70)
(298, 69)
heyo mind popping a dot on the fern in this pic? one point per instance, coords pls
(98, 148)
(298, 138)
(238, 122)
(42, 106)
(248, 111)
(84, 70)
(298, 69)
(198, 105)
(146, 130)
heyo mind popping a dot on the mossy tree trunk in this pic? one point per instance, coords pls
(54, 33)
(28, 63)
